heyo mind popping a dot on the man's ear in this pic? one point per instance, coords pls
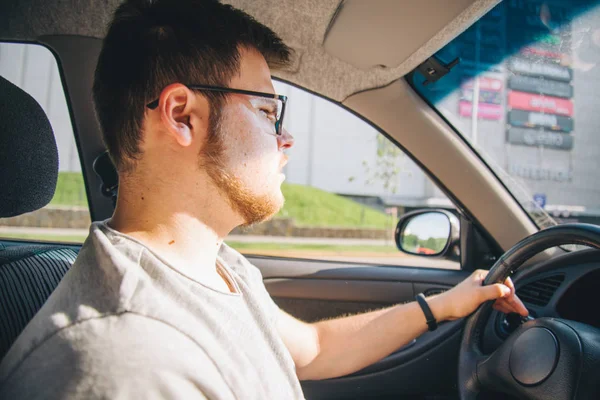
(183, 114)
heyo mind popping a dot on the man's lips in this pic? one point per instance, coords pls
(284, 161)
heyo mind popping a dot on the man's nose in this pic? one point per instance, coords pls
(285, 140)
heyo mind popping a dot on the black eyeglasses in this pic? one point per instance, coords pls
(274, 109)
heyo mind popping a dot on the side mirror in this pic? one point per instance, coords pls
(432, 233)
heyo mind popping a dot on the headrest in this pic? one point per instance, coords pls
(28, 154)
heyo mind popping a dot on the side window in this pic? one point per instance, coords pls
(66, 219)
(346, 187)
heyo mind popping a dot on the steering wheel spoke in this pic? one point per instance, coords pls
(489, 369)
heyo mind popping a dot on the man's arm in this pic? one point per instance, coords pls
(338, 347)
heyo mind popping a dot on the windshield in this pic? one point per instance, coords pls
(526, 96)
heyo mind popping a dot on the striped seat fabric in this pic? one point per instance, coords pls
(28, 275)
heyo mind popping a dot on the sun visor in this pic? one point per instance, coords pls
(388, 32)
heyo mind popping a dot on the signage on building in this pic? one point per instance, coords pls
(528, 119)
(536, 102)
(540, 86)
(539, 109)
(537, 68)
(539, 173)
(541, 52)
(485, 83)
(485, 96)
(531, 137)
(484, 111)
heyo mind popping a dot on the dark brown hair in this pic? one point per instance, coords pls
(153, 43)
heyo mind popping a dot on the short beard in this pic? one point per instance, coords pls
(252, 208)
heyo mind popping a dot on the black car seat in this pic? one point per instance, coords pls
(28, 175)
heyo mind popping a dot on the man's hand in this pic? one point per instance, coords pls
(465, 297)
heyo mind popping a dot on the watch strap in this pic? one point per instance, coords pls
(431, 322)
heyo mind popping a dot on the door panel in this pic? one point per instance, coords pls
(362, 290)
(433, 372)
(313, 310)
(314, 290)
(275, 267)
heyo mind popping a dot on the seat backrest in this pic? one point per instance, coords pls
(29, 165)
(28, 153)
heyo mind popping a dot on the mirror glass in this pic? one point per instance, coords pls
(426, 234)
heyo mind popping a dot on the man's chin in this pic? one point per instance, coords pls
(263, 209)
(251, 207)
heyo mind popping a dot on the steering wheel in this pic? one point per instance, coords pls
(545, 358)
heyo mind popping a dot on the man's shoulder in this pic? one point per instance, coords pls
(113, 355)
(101, 283)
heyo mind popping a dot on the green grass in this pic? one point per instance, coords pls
(70, 190)
(45, 237)
(309, 206)
(306, 205)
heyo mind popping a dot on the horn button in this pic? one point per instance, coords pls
(533, 356)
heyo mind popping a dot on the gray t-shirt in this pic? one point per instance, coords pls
(123, 323)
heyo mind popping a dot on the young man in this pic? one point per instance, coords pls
(156, 305)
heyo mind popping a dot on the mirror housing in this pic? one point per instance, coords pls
(429, 233)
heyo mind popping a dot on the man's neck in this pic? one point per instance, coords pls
(186, 232)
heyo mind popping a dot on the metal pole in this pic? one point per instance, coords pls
(475, 99)
(312, 127)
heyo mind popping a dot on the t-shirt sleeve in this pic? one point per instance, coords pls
(272, 308)
(118, 357)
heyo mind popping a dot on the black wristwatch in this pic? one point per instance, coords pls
(431, 322)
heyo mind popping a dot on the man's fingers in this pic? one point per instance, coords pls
(505, 294)
(480, 275)
(507, 306)
(517, 305)
(495, 291)
(508, 282)
(499, 306)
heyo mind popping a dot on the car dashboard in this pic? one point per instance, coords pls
(565, 287)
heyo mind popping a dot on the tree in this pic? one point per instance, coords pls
(387, 165)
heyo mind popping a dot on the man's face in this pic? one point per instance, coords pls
(245, 158)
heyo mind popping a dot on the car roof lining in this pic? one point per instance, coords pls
(320, 65)
(320, 68)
